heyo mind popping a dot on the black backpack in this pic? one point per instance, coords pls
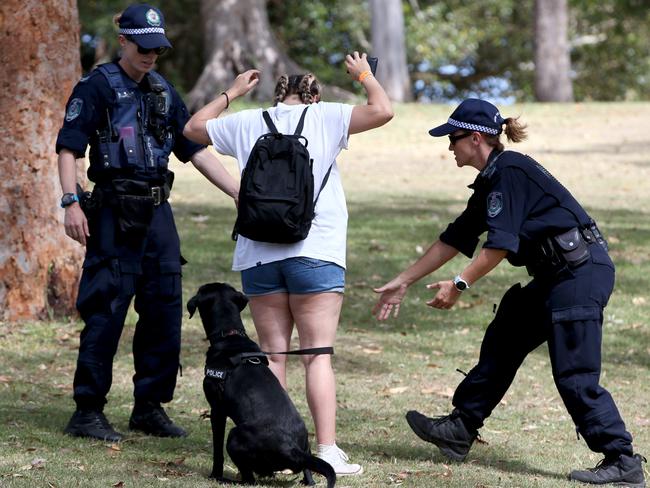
(276, 197)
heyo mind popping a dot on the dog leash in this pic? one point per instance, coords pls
(311, 350)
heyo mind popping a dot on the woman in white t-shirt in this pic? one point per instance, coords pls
(299, 283)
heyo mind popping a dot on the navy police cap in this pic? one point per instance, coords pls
(472, 114)
(145, 25)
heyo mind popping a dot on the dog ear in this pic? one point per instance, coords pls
(240, 300)
(192, 304)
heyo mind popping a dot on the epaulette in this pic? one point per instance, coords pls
(85, 78)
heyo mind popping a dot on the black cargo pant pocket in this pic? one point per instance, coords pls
(99, 286)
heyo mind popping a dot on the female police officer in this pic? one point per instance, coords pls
(531, 220)
(133, 119)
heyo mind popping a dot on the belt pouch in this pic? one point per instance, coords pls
(572, 247)
(134, 206)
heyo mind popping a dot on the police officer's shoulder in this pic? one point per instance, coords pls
(91, 77)
(515, 159)
(93, 84)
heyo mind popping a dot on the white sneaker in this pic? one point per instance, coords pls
(338, 460)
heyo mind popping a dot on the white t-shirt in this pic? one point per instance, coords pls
(326, 130)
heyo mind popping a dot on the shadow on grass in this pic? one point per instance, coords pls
(428, 452)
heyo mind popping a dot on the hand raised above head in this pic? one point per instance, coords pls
(244, 83)
(356, 64)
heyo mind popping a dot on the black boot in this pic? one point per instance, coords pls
(449, 433)
(621, 470)
(151, 418)
(91, 423)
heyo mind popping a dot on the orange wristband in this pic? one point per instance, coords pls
(364, 75)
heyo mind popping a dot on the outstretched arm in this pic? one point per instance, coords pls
(195, 128)
(393, 292)
(485, 262)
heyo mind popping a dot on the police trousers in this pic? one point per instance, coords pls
(117, 268)
(566, 312)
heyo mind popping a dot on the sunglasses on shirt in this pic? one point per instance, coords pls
(142, 50)
(454, 139)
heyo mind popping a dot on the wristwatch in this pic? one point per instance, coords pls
(68, 199)
(460, 284)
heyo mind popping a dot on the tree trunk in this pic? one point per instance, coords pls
(39, 265)
(237, 37)
(552, 59)
(389, 45)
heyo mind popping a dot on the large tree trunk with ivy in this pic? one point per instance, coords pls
(389, 45)
(39, 265)
(238, 37)
(552, 58)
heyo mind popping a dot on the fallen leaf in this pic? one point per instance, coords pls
(639, 301)
(393, 391)
(368, 350)
(442, 391)
(119, 484)
(176, 462)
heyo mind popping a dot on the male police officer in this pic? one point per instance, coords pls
(133, 119)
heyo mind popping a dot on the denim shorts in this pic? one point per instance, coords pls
(298, 275)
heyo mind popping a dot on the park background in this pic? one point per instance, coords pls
(590, 129)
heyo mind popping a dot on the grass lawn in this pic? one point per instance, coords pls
(402, 188)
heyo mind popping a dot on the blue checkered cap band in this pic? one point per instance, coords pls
(473, 127)
(146, 30)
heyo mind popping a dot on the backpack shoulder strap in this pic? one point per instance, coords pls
(269, 122)
(301, 123)
(322, 185)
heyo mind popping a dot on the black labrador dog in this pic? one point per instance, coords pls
(269, 434)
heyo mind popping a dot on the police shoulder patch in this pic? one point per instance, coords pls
(494, 203)
(74, 109)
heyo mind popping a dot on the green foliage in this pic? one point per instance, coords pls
(611, 53)
(458, 48)
(318, 34)
(455, 48)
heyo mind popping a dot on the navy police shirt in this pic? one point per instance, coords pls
(518, 203)
(86, 113)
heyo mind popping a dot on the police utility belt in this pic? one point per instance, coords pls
(132, 201)
(568, 249)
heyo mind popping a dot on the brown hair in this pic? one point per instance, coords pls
(515, 132)
(306, 86)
